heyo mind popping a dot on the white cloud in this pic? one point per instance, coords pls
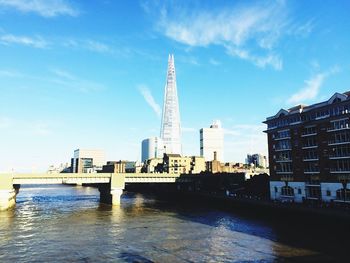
(45, 8)
(36, 42)
(249, 32)
(146, 93)
(312, 87)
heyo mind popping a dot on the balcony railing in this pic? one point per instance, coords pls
(309, 171)
(279, 149)
(310, 159)
(333, 157)
(309, 146)
(343, 127)
(283, 172)
(278, 138)
(283, 160)
(338, 142)
(340, 170)
(309, 134)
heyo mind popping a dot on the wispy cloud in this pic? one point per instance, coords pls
(250, 30)
(146, 93)
(5, 122)
(88, 44)
(97, 46)
(214, 62)
(36, 42)
(9, 73)
(67, 79)
(45, 8)
(312, 87)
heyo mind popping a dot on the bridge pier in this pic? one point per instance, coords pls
(112, 192)
(7, 193)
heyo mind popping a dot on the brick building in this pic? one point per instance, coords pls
(309, 151)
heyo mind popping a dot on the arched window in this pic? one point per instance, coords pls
(343, 194)
(288, 191)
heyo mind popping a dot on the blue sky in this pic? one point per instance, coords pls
(91, 74)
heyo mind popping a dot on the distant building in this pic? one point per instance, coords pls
(175, 164)
(121, 167)
(212, 140)
(87, 161)
(152, 148)
(62, 168)
(154, 165)
(309, 151)
(258, 160)
(170, 131)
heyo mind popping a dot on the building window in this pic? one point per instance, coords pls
(276, 189)
(284, 168)
(343, 194)
(328, 193)
(311, 167)
(339, 124)
(299, 191)
(310, 142)
(287, 191)
(313, 192)
(309, 130)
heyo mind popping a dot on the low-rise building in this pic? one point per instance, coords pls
(87, 161)
(121, 167)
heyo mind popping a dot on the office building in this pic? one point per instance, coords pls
(257, 160)
(170, 132)
(309, 151)
(212, 140)
(87, 161)
(152, 148)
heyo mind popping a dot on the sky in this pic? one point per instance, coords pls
(91, 74)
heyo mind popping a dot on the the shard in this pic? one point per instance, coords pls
(171, 129)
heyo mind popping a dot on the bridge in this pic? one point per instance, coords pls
(110, 185)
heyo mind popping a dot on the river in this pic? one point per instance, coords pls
(60, 223)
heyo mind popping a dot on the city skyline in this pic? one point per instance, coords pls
(91, 75)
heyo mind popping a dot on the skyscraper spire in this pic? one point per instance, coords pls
(170, 131)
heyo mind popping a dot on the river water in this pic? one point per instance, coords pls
(67, 224)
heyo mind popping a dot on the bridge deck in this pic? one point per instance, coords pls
(71, 178)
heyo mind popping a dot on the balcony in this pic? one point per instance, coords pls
(283, 172)
(334, 157)
(330, 143)
(283, 160)
(280, 149)
(342, 127)
(311, 171)
(282, 138)
(309, 147)
(309, 159)
(308, 134)
(340, 170)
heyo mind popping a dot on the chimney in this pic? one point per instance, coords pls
(215, 156)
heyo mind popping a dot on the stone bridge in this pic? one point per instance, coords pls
(110, 185)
